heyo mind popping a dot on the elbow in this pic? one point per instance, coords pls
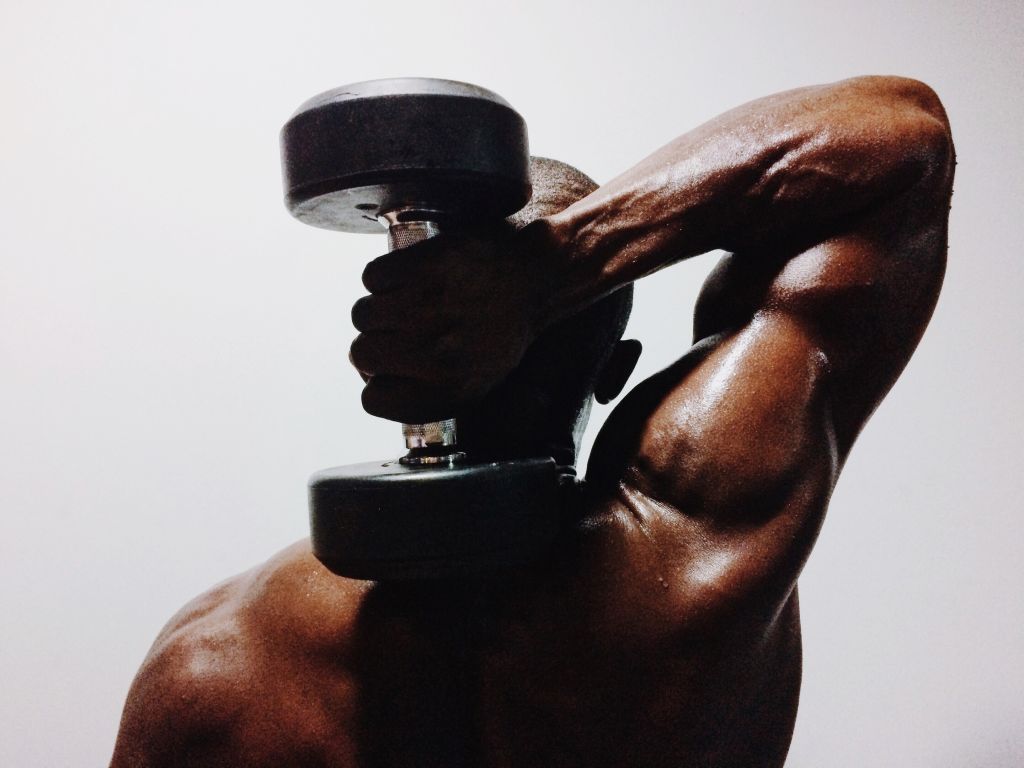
(921, 128)
(934, 135)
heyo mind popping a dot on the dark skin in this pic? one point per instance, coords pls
(664, 627)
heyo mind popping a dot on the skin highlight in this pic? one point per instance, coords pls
(663, 628)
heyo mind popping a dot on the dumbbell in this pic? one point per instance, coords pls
(413, 156)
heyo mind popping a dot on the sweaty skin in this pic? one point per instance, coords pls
(663, 629)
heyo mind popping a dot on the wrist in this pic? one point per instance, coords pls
(544, 249)
(560, 274)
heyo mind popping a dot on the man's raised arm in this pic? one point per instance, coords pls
(786, 170)
(835, 201)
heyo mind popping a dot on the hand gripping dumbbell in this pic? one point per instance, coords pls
(412, 156)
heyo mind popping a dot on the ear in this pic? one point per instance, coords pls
(617, 370)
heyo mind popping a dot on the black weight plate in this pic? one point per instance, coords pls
(387, 521)
(354, 151)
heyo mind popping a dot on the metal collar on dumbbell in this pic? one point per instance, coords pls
(409, 225)
(428, 435)
(432, 443)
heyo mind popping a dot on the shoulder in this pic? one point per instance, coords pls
(231, 659)
(183, 693)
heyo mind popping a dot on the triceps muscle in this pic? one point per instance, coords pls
(742, 427)
(745, 435)
(730, 464)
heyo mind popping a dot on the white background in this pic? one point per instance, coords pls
(173, 343)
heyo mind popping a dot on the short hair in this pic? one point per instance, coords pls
(556, 186)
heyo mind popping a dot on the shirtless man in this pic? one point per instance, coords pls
(662, 629)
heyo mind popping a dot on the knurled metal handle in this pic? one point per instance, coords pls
(430, 434)
(402, 234)
(427, 443)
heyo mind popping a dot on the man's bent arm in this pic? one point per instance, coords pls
(787, 169)
(835, 201)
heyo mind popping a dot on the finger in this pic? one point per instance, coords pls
(406, 400)
(380, 313)
(362, 374)
(373, 354)
(391, 271)
(387, 353)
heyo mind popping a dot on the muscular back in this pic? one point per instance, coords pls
(663, 628)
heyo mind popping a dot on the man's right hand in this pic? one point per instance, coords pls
(449, 318)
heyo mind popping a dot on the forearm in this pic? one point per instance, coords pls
(779, 169)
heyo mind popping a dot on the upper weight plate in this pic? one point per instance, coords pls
(355, 151)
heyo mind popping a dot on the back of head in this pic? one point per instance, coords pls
(542, 406)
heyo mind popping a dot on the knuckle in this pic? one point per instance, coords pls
(391, 398)
(379, 273)
(371, 400)
(360, 352)
(360, 313)
(369, 276)
(380, 398)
